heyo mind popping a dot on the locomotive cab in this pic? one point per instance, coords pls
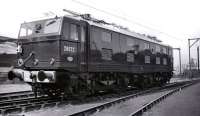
(53, 42)
(48, 48)
(38, 44)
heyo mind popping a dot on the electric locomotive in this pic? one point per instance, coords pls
(81, 55)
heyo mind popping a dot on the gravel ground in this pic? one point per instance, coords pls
(125, 108)
(129, 106)
(184, 103)
(66, 110)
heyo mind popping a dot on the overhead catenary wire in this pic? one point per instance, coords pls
(128, 20)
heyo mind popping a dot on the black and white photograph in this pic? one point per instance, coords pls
(99, 58)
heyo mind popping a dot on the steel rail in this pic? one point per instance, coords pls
(16, 95)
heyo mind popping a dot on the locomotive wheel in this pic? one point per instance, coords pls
(53, 93)
(45, 89)
(76, 88)
(140, 82)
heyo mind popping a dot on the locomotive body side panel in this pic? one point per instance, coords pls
(113, 52)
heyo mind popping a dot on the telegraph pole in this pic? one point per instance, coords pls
(179, 49)
(189, 54)
(189, 46)
(180, 59)
(198, 58)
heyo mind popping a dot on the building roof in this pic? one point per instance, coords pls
(8, 45)
(4, 39)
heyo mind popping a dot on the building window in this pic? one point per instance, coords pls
(164, 61)
(106, 54)
(106, 37)
(164, 50)
(171, 61)
(130, 42)
(170, 52)
(73, 32)
(146, 46)
(153, 49)
(157, 60)
(161, 50)
(158, 50)
(130, 57)
(136, 49)
(147, 60)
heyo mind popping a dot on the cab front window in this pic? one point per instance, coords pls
(40, 28)
(25, 30)
(52, 26)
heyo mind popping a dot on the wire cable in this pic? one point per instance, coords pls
(125, 19)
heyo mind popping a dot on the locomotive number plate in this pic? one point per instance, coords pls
(69, 49)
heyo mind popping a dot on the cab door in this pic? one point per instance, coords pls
(83, 49)
(70, 46)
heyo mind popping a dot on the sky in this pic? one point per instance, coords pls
(172, 21)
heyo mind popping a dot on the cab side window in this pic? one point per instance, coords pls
(74, 32)
(66, 30)
(71, 31)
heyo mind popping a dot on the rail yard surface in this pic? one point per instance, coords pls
(183, 103)
(7, 88)
(12, 92)
(119, 109)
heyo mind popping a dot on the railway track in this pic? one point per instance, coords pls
(27, 104)
(21, 102)
(173, 87)
(24, 101)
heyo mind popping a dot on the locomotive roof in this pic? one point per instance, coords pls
(112, 28)
(119, 30)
